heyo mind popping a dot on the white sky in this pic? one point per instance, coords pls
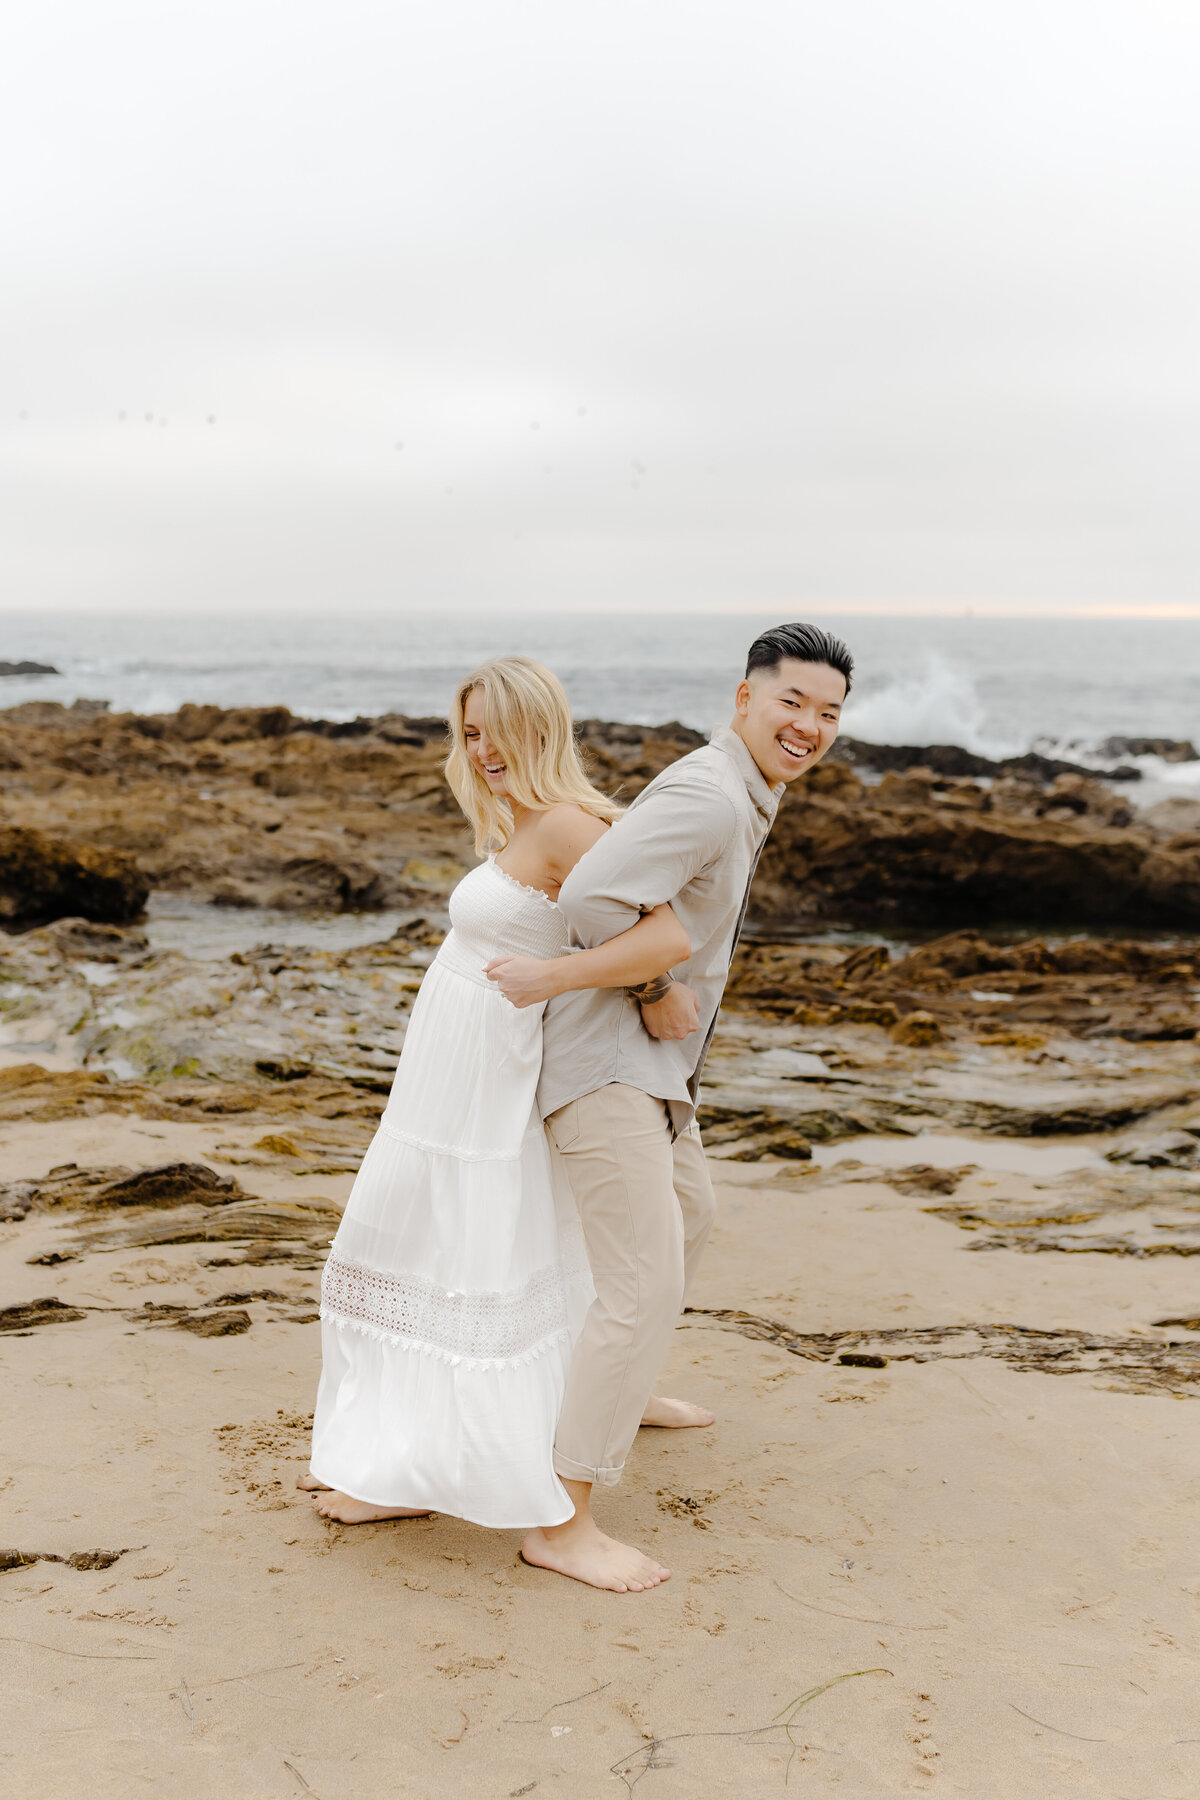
(774, 306)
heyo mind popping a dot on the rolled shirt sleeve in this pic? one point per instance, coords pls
(649, 856)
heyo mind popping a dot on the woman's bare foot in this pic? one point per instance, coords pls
(582, 1551)
(675, 1413)
(309, 1484)
(348, 1511)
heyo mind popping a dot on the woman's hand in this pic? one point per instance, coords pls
(525, 980)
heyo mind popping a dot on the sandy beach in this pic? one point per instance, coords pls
(1009, 1553)
(963, 1562)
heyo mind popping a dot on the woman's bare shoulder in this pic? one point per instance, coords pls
(565, 832)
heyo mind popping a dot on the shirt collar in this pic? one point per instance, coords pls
(765, 797)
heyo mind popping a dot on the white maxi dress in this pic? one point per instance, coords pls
(457, 1282)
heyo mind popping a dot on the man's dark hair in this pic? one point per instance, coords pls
(804, 643)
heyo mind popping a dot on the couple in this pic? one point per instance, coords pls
(483, 1355)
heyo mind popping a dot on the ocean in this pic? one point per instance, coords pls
(996, 686)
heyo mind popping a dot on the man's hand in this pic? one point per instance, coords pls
(525, 980)
(676, 1015)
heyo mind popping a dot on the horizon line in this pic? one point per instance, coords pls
(1169, 611)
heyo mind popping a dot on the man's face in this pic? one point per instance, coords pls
(788, 717)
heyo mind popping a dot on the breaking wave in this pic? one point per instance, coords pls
(940, 704)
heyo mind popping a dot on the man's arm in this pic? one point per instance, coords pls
(649, 856)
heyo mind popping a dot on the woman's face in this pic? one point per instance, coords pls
(480, 749)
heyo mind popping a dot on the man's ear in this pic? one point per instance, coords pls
(741, 699)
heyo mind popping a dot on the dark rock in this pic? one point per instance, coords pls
(310, 1223)
(342, 885)
(44, 878)
(1142, 1360)
(850, 859)
(922, 1178)
(621, 759)
(1066, 797)
(1177, 817)
(95, 1559)
(215, 1324)
(228, 725)
(16, 1199)
(1174, 750)
(393, 728)
(97, 943)
(29, 1314)
(53, 713)
(753, 1135)
(967, 953)
(922, 787)
(78, 1559)
(946, 837)
(278, 1068)
(1170, 1150)
(396, 729)
(953, 760)
(27, 668)
(865, 963)
(244, 1299)
(916, 1029)
(170, 1184)
(607, 733)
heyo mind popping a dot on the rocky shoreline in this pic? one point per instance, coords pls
(253, 807)
(992, 1031)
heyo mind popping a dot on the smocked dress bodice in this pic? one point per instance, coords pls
(493, 914)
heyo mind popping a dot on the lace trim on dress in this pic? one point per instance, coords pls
(474, 1326)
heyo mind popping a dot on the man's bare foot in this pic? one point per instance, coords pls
(348, 1511)
(675, 1413)
(309, 1484)
(582, 1551)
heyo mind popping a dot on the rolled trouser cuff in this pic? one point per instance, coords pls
(574, 1471)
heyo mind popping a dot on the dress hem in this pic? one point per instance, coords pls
(449, 1512)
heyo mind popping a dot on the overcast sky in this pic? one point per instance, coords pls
(475, 303)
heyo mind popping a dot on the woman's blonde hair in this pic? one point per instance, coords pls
(529, 721)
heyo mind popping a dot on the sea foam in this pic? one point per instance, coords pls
(940, 704)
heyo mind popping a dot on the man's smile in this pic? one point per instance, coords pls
(794, 748)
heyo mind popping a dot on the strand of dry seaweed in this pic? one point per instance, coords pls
(555, 1704)
(88, 1655)
(1058, 1728)
(783, 1721)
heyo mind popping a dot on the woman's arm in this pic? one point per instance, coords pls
(655, 944)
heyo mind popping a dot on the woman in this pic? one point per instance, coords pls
(457, 1282)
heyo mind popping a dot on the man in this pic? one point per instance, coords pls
(618, 1089)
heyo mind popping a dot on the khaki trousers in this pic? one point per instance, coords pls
(646, 1207)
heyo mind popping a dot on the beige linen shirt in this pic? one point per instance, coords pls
(692, 837)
